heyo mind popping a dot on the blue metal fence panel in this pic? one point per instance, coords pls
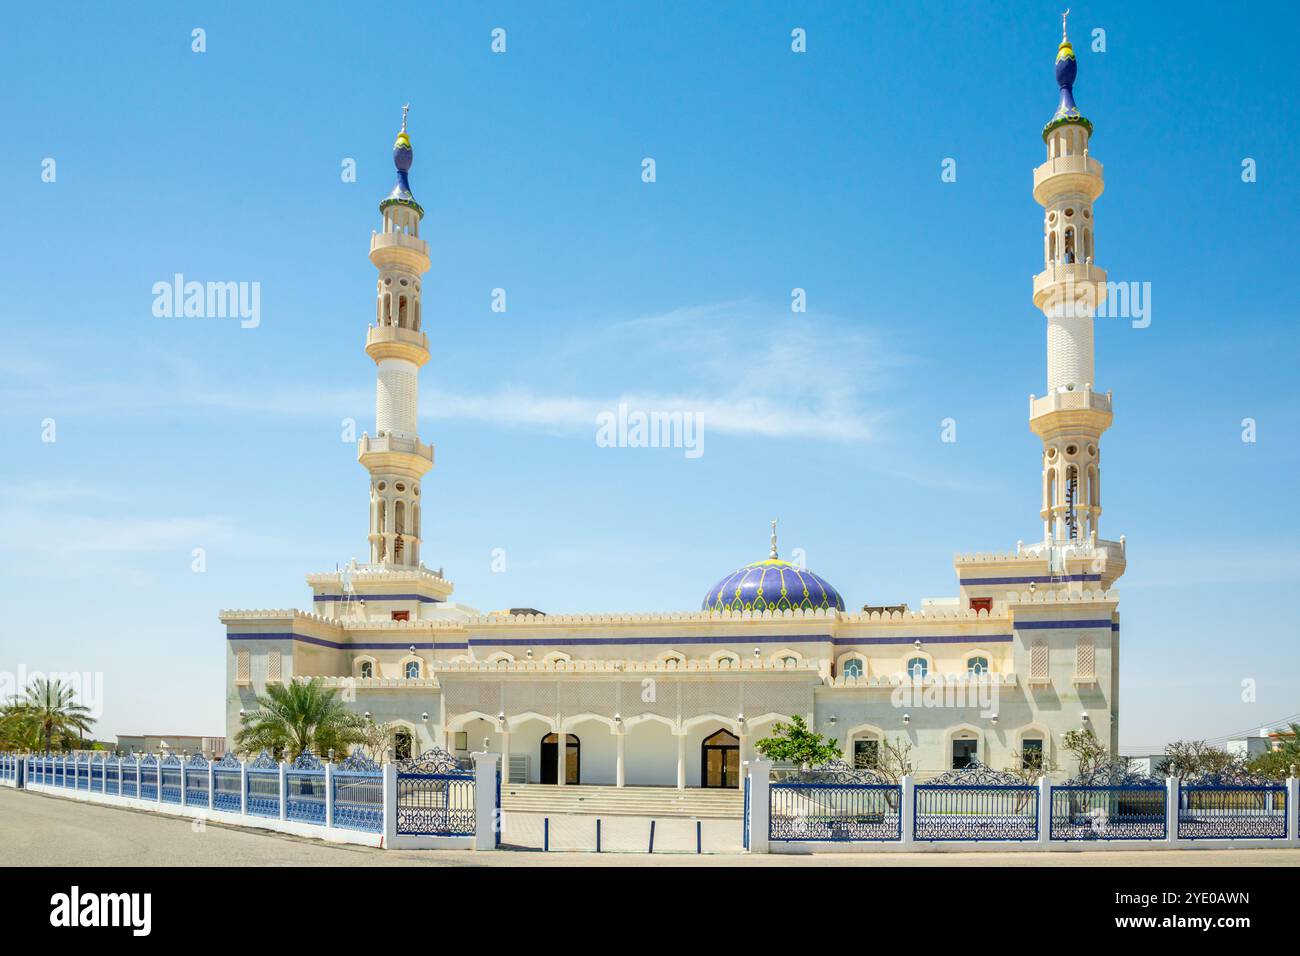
(989, 812)
(83, 774)
(835, 811)
(226, 780)
(359, 801)
(1229, 810)
(149, 778)
(128, 769)
(435, 804)
(112, 776)
(305, 796)
(196, 783)
(1082, 812)
(169, 779)
(97, 775)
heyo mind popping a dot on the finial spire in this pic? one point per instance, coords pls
(774, 554)
(406, 108)
(1064, 36)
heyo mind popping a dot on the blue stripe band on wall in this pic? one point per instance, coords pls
(377, 597)
(1040, 625)
(596, 641)
(1044, 579)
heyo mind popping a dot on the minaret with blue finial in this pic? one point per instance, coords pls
(1071, 417)
(395, 456)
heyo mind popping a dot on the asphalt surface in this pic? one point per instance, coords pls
(39, 830)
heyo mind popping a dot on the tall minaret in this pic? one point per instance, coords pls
(1071, 417)
(395, 457)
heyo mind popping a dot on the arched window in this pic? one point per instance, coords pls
(367, 670)
(918, 668)
(402, 745)
(412, 670)
(976, 666)
(401, 312)
(1031, 753)
(853, 667)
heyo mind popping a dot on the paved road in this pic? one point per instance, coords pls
(36, 829)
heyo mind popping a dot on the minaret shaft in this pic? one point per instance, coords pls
(396, 458)
(1072, 416)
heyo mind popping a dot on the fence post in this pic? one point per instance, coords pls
(157, 776)
(1292, 821)
(1171, 810)
(485, 800)
(760, 805)
(390, 803)
(243, 788)
(907, 812)
(329, 793)
(284, 790)
(1044, 813)
(212, 780)
(184, 761)
(138, 794)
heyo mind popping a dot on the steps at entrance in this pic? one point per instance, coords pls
(622, 801)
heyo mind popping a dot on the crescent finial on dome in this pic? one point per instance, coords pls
(774, 554)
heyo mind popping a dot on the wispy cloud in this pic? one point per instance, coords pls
(744, 368)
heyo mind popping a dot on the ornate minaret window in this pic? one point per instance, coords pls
(1071, 417)
(395, 457)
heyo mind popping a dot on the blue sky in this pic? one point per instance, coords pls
(774, 171)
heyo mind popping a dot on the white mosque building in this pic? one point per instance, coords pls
(1026, 649)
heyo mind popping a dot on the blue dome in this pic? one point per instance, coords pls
(772, 585)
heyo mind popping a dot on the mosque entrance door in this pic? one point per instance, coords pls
(720, 760)
(572, 758)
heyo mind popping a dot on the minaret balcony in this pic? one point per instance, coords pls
(1068, 174)
(1070, 282)
(1070, 411)
(399, 249)
(391, 341)
(392, 453)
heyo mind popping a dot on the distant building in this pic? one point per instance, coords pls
(176, 743)
(1252, 745)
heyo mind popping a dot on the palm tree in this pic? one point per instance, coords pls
(46, 713)
(297, 717)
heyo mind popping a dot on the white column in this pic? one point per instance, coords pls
(1292, 792)
(681, 761)
(505, 757)
(1044, 813)
(329, 794)
(760, 805)
(390, 803)
(212, 779)
(1171, 811)
(907, 812)
(284, 790)
(561, 757)
(184, 802)
(243, 787)
(743, 754)
(138, 794)
(620, 764)
(486, 819)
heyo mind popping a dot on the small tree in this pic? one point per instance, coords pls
(1089, 752)
(296, 717)
(1275, 765)
(796, 743)
(376, 738)
(1028, 767)
(1191, 758)
(894, 761)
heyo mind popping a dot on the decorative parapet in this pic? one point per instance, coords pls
(1017, 598)
(373, 683)
(805, 667)
(890, 681)
(379, 574)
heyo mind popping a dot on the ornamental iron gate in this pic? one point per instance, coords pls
(977, 804)
(435, 796)
(834, 802)
(1111, 803)
(1229, 807)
